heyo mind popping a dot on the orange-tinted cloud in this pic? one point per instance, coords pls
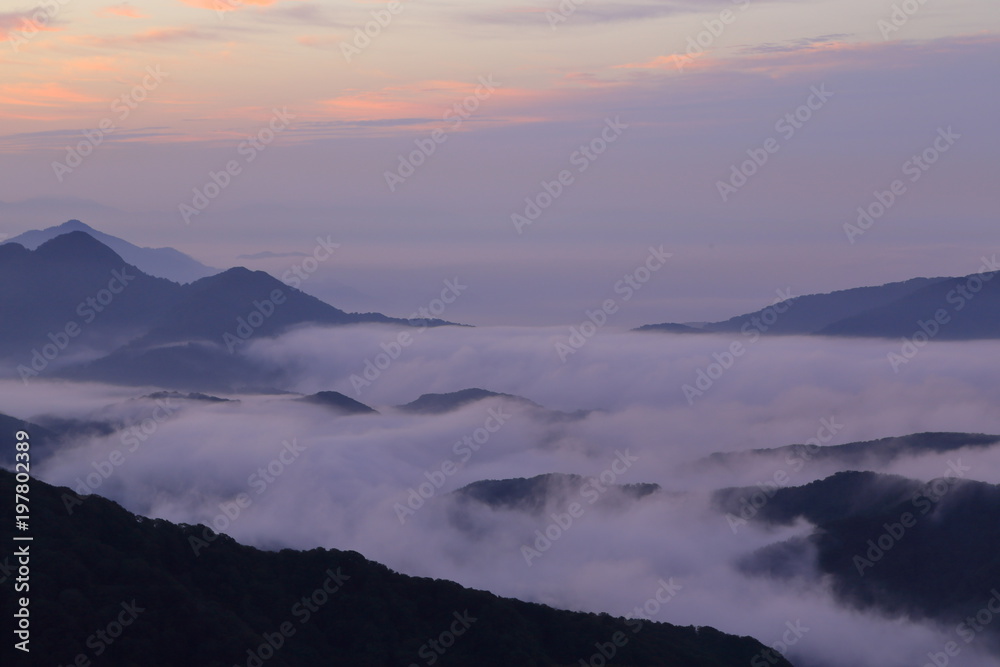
(151, 36)
(42, 95)
(228, 5)
(430, 104)
(24, 25)
(123, 10)
(425, 99)
(773, 60)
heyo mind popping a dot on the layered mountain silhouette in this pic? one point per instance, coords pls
(899, 546)
(76, 281)
(964, 308)
(76, 300)
(433, 404)
(187, 596)
(339, 403)
(533, 494)
(159, 262)
(42, 439)
(875, 452)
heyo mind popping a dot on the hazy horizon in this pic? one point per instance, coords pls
(684, 122)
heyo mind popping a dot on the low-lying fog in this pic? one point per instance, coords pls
(354, 482)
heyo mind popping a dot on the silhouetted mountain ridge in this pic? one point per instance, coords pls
(159, 262)
(903, 547)
(881, 451)
(73, 297)
(968, 308)
(195, 598)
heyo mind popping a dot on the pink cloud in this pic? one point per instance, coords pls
(24, 24)
(42, 95)
(151, 36)
(228, 5)
(123, 10)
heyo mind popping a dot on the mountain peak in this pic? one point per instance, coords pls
(78, 246)
(339, 403)
(239, 277)
(439, 403)
(160, 262)
(74, 226)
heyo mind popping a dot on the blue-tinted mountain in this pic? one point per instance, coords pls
(970, 307)
(139, 329)
(160, 262)
(534, 494)
(432, 404)
(72, 279)
(339, 403)
(881, 451)
(212, 307)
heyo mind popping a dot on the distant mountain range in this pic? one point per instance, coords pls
(435, 404)
(874, 452)
(339, 403)
(963, 308)
(84, 310)
(432, 404)
(159, 262)
(534, 494)
(191, 597)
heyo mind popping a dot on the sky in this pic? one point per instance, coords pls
(535, 151)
